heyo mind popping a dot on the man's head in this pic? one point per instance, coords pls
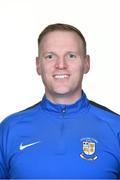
(62, 62)
(61, 27)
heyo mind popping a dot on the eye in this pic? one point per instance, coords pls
(71, 56)
(50, 56)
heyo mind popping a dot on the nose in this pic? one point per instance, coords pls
(61, 63)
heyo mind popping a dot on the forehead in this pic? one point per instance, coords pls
(59, 38)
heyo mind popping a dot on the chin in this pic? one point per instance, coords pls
(61, 90)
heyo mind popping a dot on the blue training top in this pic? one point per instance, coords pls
(54, 141)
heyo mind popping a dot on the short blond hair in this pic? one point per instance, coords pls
(62, 27)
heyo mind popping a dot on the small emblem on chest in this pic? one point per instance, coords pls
(88, 149)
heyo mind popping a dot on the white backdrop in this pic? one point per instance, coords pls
(20, 24)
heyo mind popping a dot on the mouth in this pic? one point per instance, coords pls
(61, 76)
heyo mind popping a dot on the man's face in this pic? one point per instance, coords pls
(62, 64)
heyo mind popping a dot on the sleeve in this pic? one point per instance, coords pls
(3, 166)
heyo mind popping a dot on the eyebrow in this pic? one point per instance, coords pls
(51, 52)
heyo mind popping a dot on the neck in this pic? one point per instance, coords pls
(63, 98)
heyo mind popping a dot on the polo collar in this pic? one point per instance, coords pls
(80, 105)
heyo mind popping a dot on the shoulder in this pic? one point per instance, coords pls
(24, 115)
(105, 115)
(98, 108)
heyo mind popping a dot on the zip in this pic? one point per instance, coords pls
(63, 111)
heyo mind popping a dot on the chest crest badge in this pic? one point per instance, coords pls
(88, 149)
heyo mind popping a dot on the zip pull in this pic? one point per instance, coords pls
(63, 110)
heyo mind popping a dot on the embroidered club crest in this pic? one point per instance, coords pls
(88, 148)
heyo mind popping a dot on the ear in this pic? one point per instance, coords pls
(38, 65)
(86, 64)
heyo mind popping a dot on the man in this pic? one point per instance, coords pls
(65, 136)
